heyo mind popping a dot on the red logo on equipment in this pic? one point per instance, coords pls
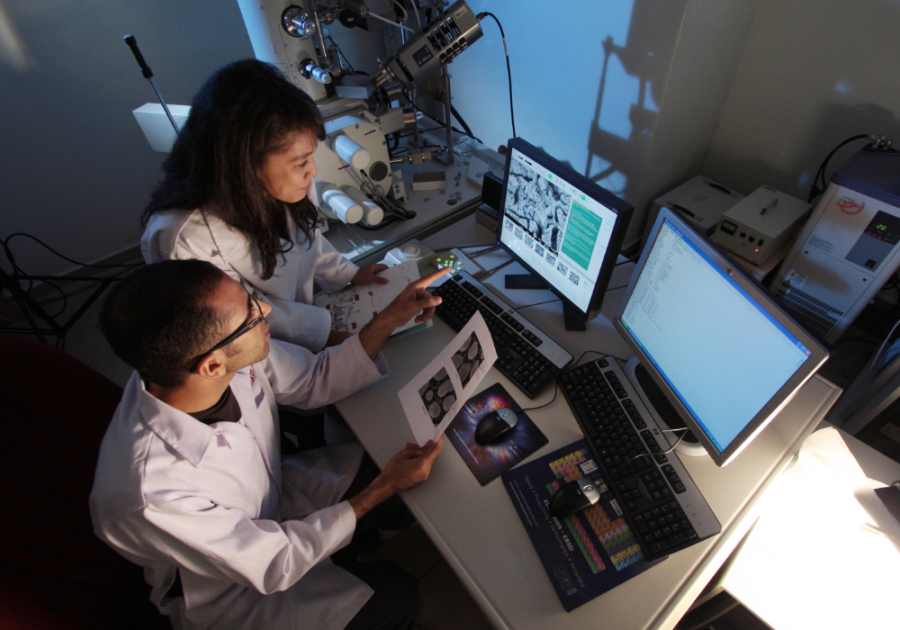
(850, 206)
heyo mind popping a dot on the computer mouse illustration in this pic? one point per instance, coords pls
(494, 426)
(573, 497)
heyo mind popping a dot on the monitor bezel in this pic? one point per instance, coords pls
(818, 356)
(622, 209)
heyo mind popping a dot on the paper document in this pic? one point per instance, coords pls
(354, 307)
(432, 399)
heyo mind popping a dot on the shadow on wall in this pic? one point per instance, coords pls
(616, 157)
(837, 122)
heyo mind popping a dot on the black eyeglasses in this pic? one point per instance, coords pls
(247, 327)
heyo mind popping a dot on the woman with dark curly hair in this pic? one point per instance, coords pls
(236, 193)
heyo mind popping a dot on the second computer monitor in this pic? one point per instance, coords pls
(565, 229)
(721, 350)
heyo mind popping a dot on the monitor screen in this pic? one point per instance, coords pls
(563, 228)
(720, 348)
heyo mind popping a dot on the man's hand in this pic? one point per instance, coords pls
(337, 337)
(366, 274)
(413, 299)
(406, 469)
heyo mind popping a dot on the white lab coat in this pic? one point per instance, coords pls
(251, 537)
(181, 234)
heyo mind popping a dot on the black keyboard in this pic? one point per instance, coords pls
(656, 495)
(525, 355)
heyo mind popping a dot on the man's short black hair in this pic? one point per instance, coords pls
(158, 320)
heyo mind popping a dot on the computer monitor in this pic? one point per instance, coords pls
(720, 349)
(563, 228)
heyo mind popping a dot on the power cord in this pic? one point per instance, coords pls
(512, 114)
(819, 183)
(552, 400)
(20, 275)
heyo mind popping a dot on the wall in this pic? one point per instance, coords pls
(812, 75)
(628, 93)
(639, 95)
(77, 170)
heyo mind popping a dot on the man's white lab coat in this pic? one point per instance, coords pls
(213, 501)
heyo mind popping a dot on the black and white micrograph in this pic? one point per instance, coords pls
(537, 205)
(573, 278)
(438, 395)
(519, 233)
(538, 250)
(529, 241)
(562, 268)
(551, 258)
(468, 359)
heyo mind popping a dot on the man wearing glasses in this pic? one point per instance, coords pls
(190, 483)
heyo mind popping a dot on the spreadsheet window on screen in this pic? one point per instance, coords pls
(720, 352)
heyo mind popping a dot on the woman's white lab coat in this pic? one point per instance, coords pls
(186, 234)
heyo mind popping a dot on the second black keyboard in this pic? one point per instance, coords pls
(525, 355)
(654, 492)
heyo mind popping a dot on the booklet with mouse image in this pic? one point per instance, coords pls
(587, 553)
(507, 448)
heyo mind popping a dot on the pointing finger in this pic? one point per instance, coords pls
(424, 281)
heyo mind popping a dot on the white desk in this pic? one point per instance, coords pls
(477, 529)
(821, 527)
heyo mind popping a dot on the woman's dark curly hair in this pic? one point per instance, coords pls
(244, 112)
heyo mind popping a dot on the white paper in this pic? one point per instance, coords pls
(436, 394)
(354, 307)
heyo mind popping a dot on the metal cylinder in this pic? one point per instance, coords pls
(373, 214)
(351, 153)
(342, 205)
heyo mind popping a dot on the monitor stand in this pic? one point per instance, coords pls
(652, 394)
(573, 319)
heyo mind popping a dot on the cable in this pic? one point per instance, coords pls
(512, 114)
(20, 275)
(519, 308)
(368, 187)
(372, 14)
(484, 275)
(6, 241)
(462, 122)
(815, 190)
(416, 13)
(683, 435)
(442, 124)
(405, 15)
(552, 400)
(341, 53)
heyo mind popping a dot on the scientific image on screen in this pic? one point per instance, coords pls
(534, 203)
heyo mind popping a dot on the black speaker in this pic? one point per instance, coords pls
(492, 190)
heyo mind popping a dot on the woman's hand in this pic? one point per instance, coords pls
(366, 274)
